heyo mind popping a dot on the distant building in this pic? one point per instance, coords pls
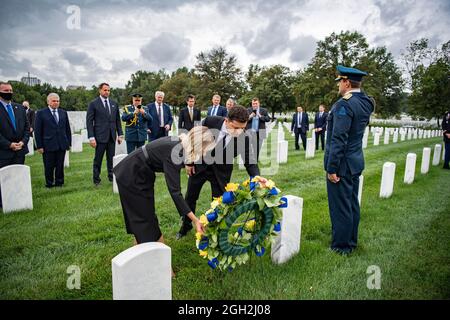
(31, 81)
(74, 87)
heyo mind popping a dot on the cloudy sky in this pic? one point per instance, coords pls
(116, 38)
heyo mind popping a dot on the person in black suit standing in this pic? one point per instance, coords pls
(31, 115)
(300, 126)
(216, 109)
(217, 166)
(14, 129)
(320, 126)
(162, 118)
(446, 133)
(189, 116)
(103, 125)
(53, 138)
(256, 124)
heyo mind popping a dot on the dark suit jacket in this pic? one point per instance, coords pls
(50, 135)
(321, 122)
(304, 124)
(184, 120)
(155, 124)
(31, 115)
(222, 112)
(100, 124)
(347, 122)
(224, 169)
(446, 125)
(9, 135)
(262, 119)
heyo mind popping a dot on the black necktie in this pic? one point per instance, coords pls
(107, 107)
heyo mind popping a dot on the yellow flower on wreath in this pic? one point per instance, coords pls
(246, 183)
(250, 225)
(232, 187)
(198, 236)
(203, 253)
(204, 220)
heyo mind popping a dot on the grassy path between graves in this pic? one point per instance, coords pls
(406, 236)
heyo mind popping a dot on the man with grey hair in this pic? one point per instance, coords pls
(31, 116)
(230, 104)
(162, 118)
(14, 129)
(53, 138)
(216, 109)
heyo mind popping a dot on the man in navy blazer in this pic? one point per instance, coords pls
(103, 125)
(216, 109)
(53, 138)
(162, 118)
(300, 126)
(14, 129)
(320, 126)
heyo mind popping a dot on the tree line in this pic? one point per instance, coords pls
(424, 92)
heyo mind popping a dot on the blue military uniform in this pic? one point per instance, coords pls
(347, 121)
(135, 127)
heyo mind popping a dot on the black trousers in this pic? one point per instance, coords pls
(447, 154)
(344, 212)
(194, 187)
(161, 133)
(303, 137)
(54, 167)
(320, 134)
(133, 145)
(16, 159)
(110, 149)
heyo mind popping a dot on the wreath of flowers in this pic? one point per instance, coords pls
(245, 219)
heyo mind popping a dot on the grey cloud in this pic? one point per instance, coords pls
(270, 40)
(12, 67)
(302, 49)
(78, 58)
(166, 50)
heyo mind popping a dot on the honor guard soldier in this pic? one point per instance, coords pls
(137, 119)
(344, 160)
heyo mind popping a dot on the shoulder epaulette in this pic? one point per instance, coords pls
(347, 96)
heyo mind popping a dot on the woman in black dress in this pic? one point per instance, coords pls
(135, 177)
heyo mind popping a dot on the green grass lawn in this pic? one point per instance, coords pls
(406, 236)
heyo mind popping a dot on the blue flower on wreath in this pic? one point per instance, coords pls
(284, 204)
(273, 191)
(213, 263)
(228, 197)
(212, 216)
(230, 268)
(204, 242)
(240, 229)
(261, 252)
(277, 227)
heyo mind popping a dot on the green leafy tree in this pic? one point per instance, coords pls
(218, 73)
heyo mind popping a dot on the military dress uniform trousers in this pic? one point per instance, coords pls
(344, 212)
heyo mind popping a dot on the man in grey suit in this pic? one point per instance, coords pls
(103, 125)
(256, 125)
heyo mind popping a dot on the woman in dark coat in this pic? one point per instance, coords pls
(135, 177)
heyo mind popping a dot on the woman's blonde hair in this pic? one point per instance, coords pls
(196, 143)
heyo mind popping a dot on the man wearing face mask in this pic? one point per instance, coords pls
(14, 129)
(217, 167)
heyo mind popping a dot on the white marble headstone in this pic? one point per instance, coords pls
(425, 160)
(310, 148)
(387, 180)
(395, 137)
(410, 168)
(116, 161)
(287, 243)
(121, 148)
(77, 143)
(143, 272)
(30, 146)
(386, 136)
(376, 139)
(15, 182)
(84, 135)
(360, 188)
(66, 159)
(365, 138)
(282, 152)
(437, 154)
